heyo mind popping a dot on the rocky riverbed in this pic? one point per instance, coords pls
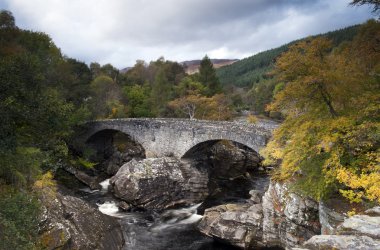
(217, 197)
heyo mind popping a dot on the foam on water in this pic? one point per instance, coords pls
(105, 184)
(182, 216)
(110, 208)
(88, 190)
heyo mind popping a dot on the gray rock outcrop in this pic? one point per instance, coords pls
(361, 225)
(238, 224)
(91, 181)
(289, 219)
(341, 242)
(282, 219)
(329, 218)
(68, 222)
(360, 232)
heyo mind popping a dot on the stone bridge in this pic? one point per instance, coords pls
(175, 137)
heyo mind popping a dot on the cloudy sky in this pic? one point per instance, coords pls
(121, 31)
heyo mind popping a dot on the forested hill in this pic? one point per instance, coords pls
(253, 69)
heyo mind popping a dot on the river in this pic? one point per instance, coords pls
(173, 229)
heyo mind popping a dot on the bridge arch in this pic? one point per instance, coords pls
(104, 142)
(174, 137)
(205, 145)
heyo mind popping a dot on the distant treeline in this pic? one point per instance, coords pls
(253, 74)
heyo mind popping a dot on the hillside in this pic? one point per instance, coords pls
(192, 66)
(253, 69)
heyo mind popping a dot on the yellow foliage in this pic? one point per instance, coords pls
(329, 141)
(46, 185)
(352, 212)
(202, 107)
(252, 119)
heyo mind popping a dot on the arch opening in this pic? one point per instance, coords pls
(110, 149)
(232, 169)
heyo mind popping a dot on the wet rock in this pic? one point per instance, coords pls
(361, 225)
(158, 183)
(342, 242)
(56, 237)
(238, 224)
(256, 196)
(91, 181)
(124, 206)
(375, 211)
(329, 218)
(289, 219)
(69, 222)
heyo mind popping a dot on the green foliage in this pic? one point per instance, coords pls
(105, 98)
(42, 96)
(161, 93)
(138, 101)
(208, 77)
(261, 95)
(254, 69)
(6, 19)
(75, 78)
(19, 213)
(85, 163)
(255, 72)
(249, 71)
(21, 166)
(37, 111)
(189, 85)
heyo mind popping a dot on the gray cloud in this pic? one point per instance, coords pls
(121, 31)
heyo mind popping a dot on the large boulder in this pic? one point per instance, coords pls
(361, 225)
(280, 218)
(289, 219)
(360, 231)
(375, 211)
(341, 242)
(68, 222)
(159, 183)
(237, 224)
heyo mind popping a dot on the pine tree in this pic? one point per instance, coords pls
(207, 76)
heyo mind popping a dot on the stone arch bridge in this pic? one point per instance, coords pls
(175, 137)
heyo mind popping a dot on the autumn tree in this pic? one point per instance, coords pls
(329, 140)
(138, 74)
(137, 100)
(105, 98)
(188, 104)
(202, 107)
(189, 85)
